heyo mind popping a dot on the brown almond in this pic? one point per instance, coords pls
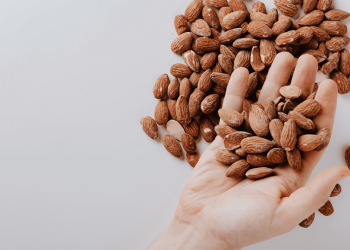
(172, 109)
(305, 36)
(267, 52)
(289, 135)
(270, 109)
(290, 92)
(256, 145)
(242, 59)
(193, 10)
(327, 209)
(308, 108)
(259, 29)
(320, 34)
(233, 141)
(259, 121)
(192, 159)
(207, 44)
(336, 191)
(309, 5)
(262, 18)
(192, 60)
(273, 14)
(210, 16)
(276, 155)
(313, 18)
(240, 152)
(258, 7)
(185, 88)
(220, 78)
(231, 35)
(257, 173)
(258, 160)
(182, 43)
(225, 63)
(320, 57)
(281, 26)
(180, 24)
(222, 13)
(301, 121)
(255, 60)
(286, 7)
(200, 28)
(161, 86)
(224, 130)
(194, 79)
(337, 43)
(238, 169)
(334, 28)
(345, 62)
(161, 113)
(237, 5)
(287, 38)
(325, 135)
(173, 89)
(294, 158)
(347, 156)
(227, 52)
(192, 128)
(245, 43)
(288, 106)
(276, 127)
(252, 84)
(172, 145)
(194, 103)
(210, 103)
(324, 5)
(308, 221)
(341, 81)
(233, 20)
(217, 68)
(182, 111)
(216, 3)
(150, 127)
(308, 143)
(180, 70)
(205, 82)
(225, 156)
(337, 15)
(207, 129)
(188, 143)
(331, 63)
(208, 60)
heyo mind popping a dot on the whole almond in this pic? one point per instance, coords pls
(216, 3)
(258, 160)
(225, 156)
(287, 38)
(286, 7)
(324, 5)
(255, 60)
(217, 68)
(182, 111)
(341, 81)
(220, 79)
(210, 103)
(222, 13)
(173, 89)
(209, 60)
(294, 158)
(245, 43)
(192, 128)
(227, 52)
(191, 59)
(215, 34)
(301, 121)
(259, 121)
(150, 127)
(185, 88)
(336, 191)
(331, 64)
(237, 5)
(224, 130)
(160, 87)
(256, 145)
(244, 27)
(345, 62)
(193, 10)
(337, 43)
(305, 36)
(172, 145)
(207, 129)
(273, 14)
(270, 109)
(194, 103)
(241, 152)
(313, 18)
(308, 221)
(309, 5)
(290, 92)
(231, 117)
(200, 28)
(172, 109)
(219, 90)
(207, 44)
(188, 143)
(281, 26)
(259, 29)
(192, 159)
(308, 108)
(334, 28)
(267, 52)
(325, 135)
(276, 127)
(262, 18)
(234, 19)
(225, 63)
(257, 173)
(308, 143)
(231, 35)
(180, 24)
(320, 57)
(242, 59)
(289, 135)
(238, 169)
(194, 79)
(320, 34)
(258, 7)
(276, 155)
(210, 16)
(252, 83)
(205, 82)
(180, 70)
(182, 43)
(194, 45)
(327, 209)
(337, 15)
(161, 113)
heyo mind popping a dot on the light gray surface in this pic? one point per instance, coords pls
(77, 171)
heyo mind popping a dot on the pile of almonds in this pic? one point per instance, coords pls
(215, 37)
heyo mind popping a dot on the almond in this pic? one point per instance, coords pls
(208, 60)
(225, 63)
(216, 3)
(341, 81)
(256, 145)
(334, 28)
(276, 155)
(255, 60)
(182, 43)
(172, 109)
(238, 169)
(288, 106)
(188, 143)
(242, 59)
(224, 130)
(252, 83)
(172, 145)
(214, 117)
(281, 26)
(345, 62)
(207, 129)
(200, 28)
(327, 209)
(231, 117)
(290, 92)
(161, 86)
(336, 191)
(257, 173)
(217, 68)
(219, 90)
(308, 221)
(241, 152)
(210, 103)
(234, 19)
(244, 27)
(308, 143)
(273, 14)
(231, 35)
(192, 159)
(225, 156)
(193, 10)
(286, 7)
(220, 78)
(312, 45)
(173, 89)
(337, 43)
(308, 108)
(270, 109)
(259, 121)
(175, 129)
(192, 128)
(245, 43)
(325, 135)
(280, 106)
(301, 121)
(150, 127)
(287, 38)
(191, 59)
(276, 127)
(194, 79)
(205, 82)
(237, 5)
(309, 5)
(324, 5)
(246, 124)
(246, 105)
(337, 15)
(347, 156)
(207, 44)
(180, 24)
(267, 52)
(305, 36)
(294, 158)
(313, 18)
(258, 160)
(222, 13)
(227, 52)
(180, 70)
(185, 88)
(262, 18)
(259, 29)
(195, 101)
(161, 113)
(211, 18)
(194, 45)
(258, 7)
(320, 57)
(278, 100)
(331, 64)
(182, 111)
(215, 34)
(320, 34)
(289, 135)
(294, 24)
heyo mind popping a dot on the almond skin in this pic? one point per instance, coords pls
(261, 17)
(192, 60)
(334, 28)
(189, 144)
(345, 62)
(256, 145)
(238, 169)
(308, 221)
(193, 159)
(255, 60)
(320, 57)
(286, 7)
(234, 19)
(259, 29)
(325, 135)
(209, 60)
(241, 152)
(309, 5)
(231, 117)
(185, 88)
(288, 106)
(180, 70)
(225, 63)
(216, 3)
(308, 108)
(305, 36)
(182, 43)
(210, 103)
(289, 135)
(252, 83)
(222, 13)
(331, 64)
(231, 35)
(192, 128)
(287, 38)
(267, 52)
(237, 5)
(258, 160)
(276, 155)
(308, 143)
(182, 111)
(270, 109)
(273, 14)
(194, 103)
(320, 34)
(194, 79)
(207, 129)
(342, 82)
(220, 78)
(294, 158)
(301, 121)
(290, 92)
(224, 130)
(172, 145)
(327, 209)
(242, 59)
(276, 127)
(207, 44)
(245, 43)
(173, 89)
(150, 127)
(225, 156)
(227, 52)
(324, 5)
(160, 88)
(193, 10)
(161, 113)
(233, 141)
(172, 109)
(259, 121)
(313, 18)
(337, 15)
(257, 173)
(281, 26)
(336, 191)
(205, 82)
(210, 16)
(200, 28)
(258, 7)
(180, 24)
(337, 43)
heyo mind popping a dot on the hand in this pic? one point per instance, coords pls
(216, 212)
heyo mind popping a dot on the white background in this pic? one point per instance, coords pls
(76, 169)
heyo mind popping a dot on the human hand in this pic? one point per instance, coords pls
(216, 212)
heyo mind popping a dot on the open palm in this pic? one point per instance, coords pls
(231, 213)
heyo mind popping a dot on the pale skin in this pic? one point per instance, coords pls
(216, 212)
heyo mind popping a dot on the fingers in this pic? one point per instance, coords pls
(278, 76)
(305, 74)
(305, 201)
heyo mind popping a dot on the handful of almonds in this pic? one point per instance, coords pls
(215, 37)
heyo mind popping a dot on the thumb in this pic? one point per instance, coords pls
(305, 201)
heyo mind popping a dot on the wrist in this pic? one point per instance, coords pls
(185, 236)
